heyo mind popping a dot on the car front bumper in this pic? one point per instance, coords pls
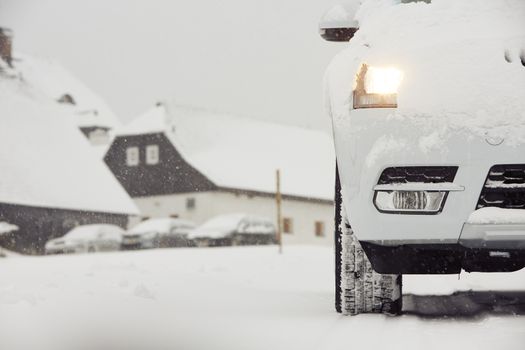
(441, 258)
(369, 141)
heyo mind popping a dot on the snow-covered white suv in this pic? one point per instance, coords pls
(428, 111)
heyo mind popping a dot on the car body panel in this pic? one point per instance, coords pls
(376, 141)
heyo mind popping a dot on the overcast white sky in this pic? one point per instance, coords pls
(259, 58)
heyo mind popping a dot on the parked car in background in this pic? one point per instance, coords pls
(87, 238)
(158, 233)
(234, 229)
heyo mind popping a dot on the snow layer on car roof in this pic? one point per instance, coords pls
(92, 231)
(462, 63)
(45, 159)
(218, 227)
(160, 224)
(244, 153)
(223, 225)
(55, 81)
(228, 221)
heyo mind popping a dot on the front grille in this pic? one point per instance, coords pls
(426, 174)
(504, 187)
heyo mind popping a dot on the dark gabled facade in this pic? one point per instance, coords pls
(170, 174)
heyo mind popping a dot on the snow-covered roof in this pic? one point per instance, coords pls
(102, 149)
(45, 159)
(463, 64)
(55, 81)
(241, 153)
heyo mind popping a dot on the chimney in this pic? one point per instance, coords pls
(6, 43)
(168, 118)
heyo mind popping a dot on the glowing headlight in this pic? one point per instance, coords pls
(382, 80)
(377, 87)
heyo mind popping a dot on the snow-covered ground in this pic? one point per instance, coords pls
(240, 298)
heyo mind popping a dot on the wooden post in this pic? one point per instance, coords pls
(278, 205)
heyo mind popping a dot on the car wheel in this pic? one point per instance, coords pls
(156, 241)
(236, 241)
(358, 288)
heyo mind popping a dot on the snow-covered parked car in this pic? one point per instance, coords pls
(5, 229)
(234, 229)
(87, 238)
(428, 112)
(158, 233)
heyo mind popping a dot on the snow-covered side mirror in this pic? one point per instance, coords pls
(338, 23)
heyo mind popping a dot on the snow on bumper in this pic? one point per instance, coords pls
(494, 228)
(369, 141)
(493, 236)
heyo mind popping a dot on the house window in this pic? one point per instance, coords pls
(287, 225)
(152, 154)
(132, 156)
(319, 229)
(190, 203)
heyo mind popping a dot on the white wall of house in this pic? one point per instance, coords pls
(303, 214)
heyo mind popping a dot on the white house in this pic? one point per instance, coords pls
(50, 178)
(195, 164)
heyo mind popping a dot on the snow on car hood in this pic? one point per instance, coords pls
(153, 225)
(158, 225)
(213, 233)
(218, 227)
(86, 233)
(462, 63)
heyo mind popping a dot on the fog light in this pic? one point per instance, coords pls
(423, 202)
(409, 200)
